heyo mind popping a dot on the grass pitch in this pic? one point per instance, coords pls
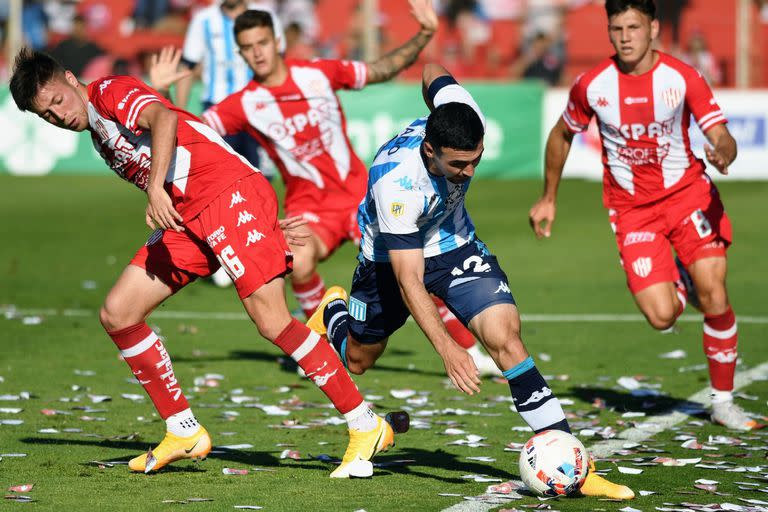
(66, 239)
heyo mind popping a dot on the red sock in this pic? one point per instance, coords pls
(309, 294)
(720, 340)
(151, 364)
(452, 324)
(321, 364)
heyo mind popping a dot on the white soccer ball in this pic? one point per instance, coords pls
(553, 463)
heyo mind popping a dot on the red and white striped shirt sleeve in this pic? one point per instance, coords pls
(123, 98)
(578, 113)
(344, 74)
(702, 103)
(227, 117)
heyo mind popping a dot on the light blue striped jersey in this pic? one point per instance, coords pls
(404, 198)
(210, 40)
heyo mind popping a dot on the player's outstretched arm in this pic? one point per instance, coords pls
(388, 66)
(542, 213)
(161, 123)
(408, 266)
(429, 74)
(164, 71)
(722, 151)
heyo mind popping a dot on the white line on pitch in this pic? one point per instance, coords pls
(239, 316)
(638, 435)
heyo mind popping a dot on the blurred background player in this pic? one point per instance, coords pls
(658, 193)
(418, 239)
(210, 50)
(212, 209)
(291, 109)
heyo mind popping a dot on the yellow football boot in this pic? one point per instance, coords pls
(171, 449)
(315, 321)
(595, 485)
(362, 447)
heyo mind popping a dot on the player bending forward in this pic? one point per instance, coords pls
(419, 239)
(654, 187)
(212, 208)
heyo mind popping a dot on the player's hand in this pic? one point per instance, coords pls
(164, 68)
(290, 228)
(541, 216)
(160, 210)
(425, 14)
(461, 369)
(715, 158)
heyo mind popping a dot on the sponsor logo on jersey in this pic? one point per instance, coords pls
(629, 100)
(357, 309)
(253, 237)
(503, 288)
(244, 217)
(643, 156)
(237, 198)
(121, 105)
(672, 97)
(397, 209)
(642, 266)
(636, 130)
(639, 237)
(216, 237)
(299, 122)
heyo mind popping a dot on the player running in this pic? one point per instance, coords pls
(291, 109)
(212, 208)
(419, 239)
(657, 192)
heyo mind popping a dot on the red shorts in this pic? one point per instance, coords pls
(238, 230)
(333, 227)
(691, 220)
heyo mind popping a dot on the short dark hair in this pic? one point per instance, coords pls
(31, 70)
(253, 18)
(454, 125)
(614, 7)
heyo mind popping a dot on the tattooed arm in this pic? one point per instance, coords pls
(388, 66)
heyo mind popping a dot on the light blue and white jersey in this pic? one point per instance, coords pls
(210, 40)
(404, 199)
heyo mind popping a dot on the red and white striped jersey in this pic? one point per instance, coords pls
(302, 126)
(201, 166)
(643, 122)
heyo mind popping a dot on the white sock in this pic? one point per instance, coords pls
(361, 418)
(182, 424)
(719, 397)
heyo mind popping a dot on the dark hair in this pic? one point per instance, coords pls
(454, 125)
(253, 18)
(32, 70)
(614, 7)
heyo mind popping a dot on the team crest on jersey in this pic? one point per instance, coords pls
(397, 209)
(357, 309)
(672, 97)
(642, 266)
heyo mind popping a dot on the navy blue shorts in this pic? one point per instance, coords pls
(468, 279)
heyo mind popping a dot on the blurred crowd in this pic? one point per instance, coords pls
(485, 39)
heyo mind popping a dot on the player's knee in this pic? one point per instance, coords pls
(114, 317)
(662, 319)
(357, 365)
(714, 301)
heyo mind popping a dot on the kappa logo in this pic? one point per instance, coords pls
(322, 380)
(642, 266)
(244, 217)
(103, 85)
(253, 237)
(537, 396)
(724, 357)
(397, 209)
(405, 182)
(503, 288)
(602, 102)
(237, 198)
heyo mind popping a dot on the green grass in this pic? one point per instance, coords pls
(60, 232)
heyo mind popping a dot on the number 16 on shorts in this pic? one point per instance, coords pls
(231, 263)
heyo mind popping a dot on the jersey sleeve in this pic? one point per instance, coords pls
(701, 102)
(344, 74)
(578, 113)
(122, 99)
(194, 42)
(227, 117)
(398, 212)
(445, 89)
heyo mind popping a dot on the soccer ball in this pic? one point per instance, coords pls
(553, 463)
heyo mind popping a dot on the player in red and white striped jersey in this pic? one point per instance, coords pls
(657, 191)
(214, 210)
(291, 108)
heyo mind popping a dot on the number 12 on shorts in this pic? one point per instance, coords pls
(700, 221)
(231, 263)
